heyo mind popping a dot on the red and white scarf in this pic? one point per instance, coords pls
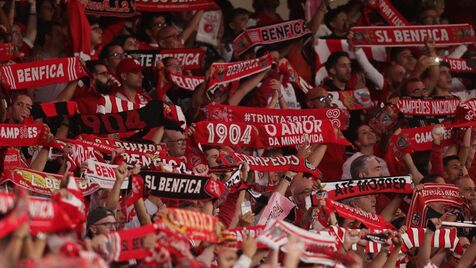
(6, 51)
(41, 73)
(466, 114)
(228, 113)
(388, 12)
(358, 99)
(103, 175)
(271, 34)
(113, 104)
(224, 73)
(278, 208)
(268, 135)
(338, 190)
(459, 65)
(428, 107)
(189, 58)
(445, 194)
(128, 244)
(118, 9)
(188, 82)
(42, 182)
(174, 6)
(21, 135)
(238, 234)
(420, 138)
(414, 35)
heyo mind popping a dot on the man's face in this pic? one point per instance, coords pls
(177, 142)
(319, 98)
(396, 74)
(173, 66)
(366, 136)
(226, 256)
(341, 23)
(131, 44)
(444, 81)
(342, 70)
(212, 156)
(301, 188)
(104, 225)
(21, 109)
(467, 189)
(157, 24)
(115, 55)
(454, 169)
(406, 59)
(416, 89)
(102, 79)
(239, 23)
(430, 17)
(366, 203)
(46, 11)
(169, 38)
(96, 35)
(133, 80)
(374, 168)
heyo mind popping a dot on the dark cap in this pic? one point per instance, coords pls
(97, 214)
(128, 66)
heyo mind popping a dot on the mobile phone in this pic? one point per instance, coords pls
(245, 207)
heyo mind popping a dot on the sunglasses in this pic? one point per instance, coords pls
(323, 98)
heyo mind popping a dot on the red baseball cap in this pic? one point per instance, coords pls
(128, 66)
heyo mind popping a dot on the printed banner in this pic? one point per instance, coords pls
(224, 73)
(370, 220)
(415, 35)
(358, 99)
(238, 234)
(271, 34)
(42, 182)
(420, 138)
(127, 146)
(268, 135)
(54, 109)
(388, 12)
(103, 175)
(41, 73)
(466, 114)
(209, 27)
(128, 244)
(110, 8)
(174, 5)
(459, 65)
(278, 208)
(279, 163)
(432, 193)
(21, 135)
(194, 225)
(437, 107)
(10, 222)
(189, 58)
(338, 190)
(13, 159)
(154, 114)
(188, 82)
(181, 186)
(227, 113)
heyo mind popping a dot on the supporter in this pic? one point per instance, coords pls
(265, 12)
(150, 25)
(130, 75)
(20, 109)
(339, 68)
(444, 86)
(111, 55)
(169, 38)
(453, 168)
(338, 22)
(101, 221)
(176, 142)
(404, 57)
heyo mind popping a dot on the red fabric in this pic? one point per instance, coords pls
(332, 162)
(87, 100)
(228, 208)
(263, 18)
(263, 93)
(472, 170)
(300, 64)
(80, 30)
(436, 159)
(108, 34)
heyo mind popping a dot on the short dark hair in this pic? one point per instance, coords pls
(105, 51)
(404, 90)
(394, 51)
(332, 14)
(91, 65)
(447, 159)
(445, 64)
(358, 165)
(431, 178)
(333, 58)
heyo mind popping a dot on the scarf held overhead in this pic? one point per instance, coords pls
(189, 58)
(41, 73)
(271, 34)
(437, 107)
(268, 135)
(111, 8)
(21, 135)
(228, 113)
(395, 36)
(181, 186)
(173, 5)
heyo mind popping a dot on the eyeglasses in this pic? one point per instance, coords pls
(111, 225)
(159, 25)
(323, 98)
(105, 73)
(180, 141)
(118, 55)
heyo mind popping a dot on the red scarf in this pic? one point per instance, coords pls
(128, 244)
(6, 52)
(466, 114)
(189, 58)
(42, 73)
(127, 146)
(343, 189)
(174, 6)
(388, 12)
(459, 65)
(397, 36)
(446, 194)
(437, 107)
(224, 73)
(271, 34)
(14, 218)
(237, 234)
(268, 135)
(79, 28)
(118, 9)
(358, 99)
(42, 182)
(420, 138)
(22, 135)
(188, 82)
(103, 175)
(370, 220)
(228, 113)
(54, 109)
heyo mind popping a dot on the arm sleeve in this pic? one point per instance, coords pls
(370, 72)
(458, 52)
(436, 159)
(243, 262)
